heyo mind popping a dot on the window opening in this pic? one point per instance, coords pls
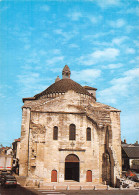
(88, 134)
(55, 133)
(72, 132)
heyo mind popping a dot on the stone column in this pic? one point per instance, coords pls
(24, 147)
(116, 144)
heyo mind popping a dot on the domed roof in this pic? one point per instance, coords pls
(63, 86)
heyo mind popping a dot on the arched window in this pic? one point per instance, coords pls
(72, 132)
(88, 134)
(55, 133)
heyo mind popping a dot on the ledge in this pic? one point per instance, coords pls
(69, 149)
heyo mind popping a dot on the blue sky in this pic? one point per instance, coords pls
(97, 39)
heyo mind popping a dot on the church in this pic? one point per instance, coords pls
(66, 135)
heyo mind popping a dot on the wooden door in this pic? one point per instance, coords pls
(54, 176)
(89, 176)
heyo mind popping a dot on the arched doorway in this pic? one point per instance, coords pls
(54, 176)
(72, 166)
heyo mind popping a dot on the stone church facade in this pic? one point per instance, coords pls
(67, 135)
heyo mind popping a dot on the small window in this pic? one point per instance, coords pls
(55, 133)
(88, 134)
(72, 132)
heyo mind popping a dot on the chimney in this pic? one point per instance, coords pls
(124, 141)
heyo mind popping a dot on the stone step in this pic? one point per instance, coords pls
(61, 187)
(73, 187)
(87, 187)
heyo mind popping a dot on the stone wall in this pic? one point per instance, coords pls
(40, 154)
(23, 158)
(51, 154)
(116, 143)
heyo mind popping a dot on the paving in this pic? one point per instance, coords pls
(72, 186)
(66, 188)
(115, 191)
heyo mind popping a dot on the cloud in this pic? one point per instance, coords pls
(56, 51)
(59, 31)
(128, 76)
(86, 75)
(121, 87)
(129, 28)
(75, 16)
(129, 50)
(99, 34)
(31, 83)
(117, 24)
(73, 45)
(105, 53)
(134, 10)
(108, 3)
(2, 95)
(56, 70)
(135, 60)
(42, 52)
(101, 43)
(136, 42)
(94, 19)
(33, 58)
(132, 74)
(27, 46)
(113, 66)
(119, 40)
(108, 54)
(54, 60)
(115, 41)
(67, 35)
(4, 88)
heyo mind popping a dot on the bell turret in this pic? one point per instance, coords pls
(66, 72)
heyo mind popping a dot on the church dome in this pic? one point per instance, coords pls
(63, 86)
